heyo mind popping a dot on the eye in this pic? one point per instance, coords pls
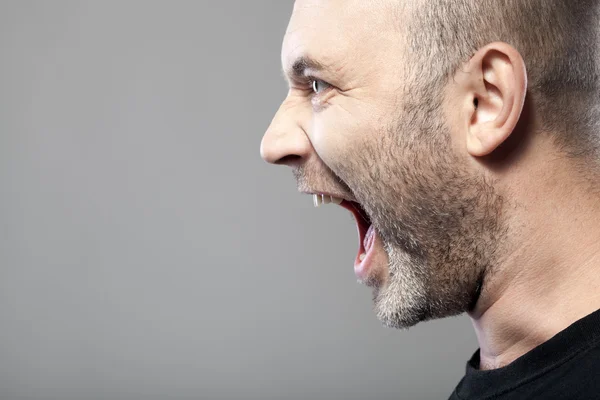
(318, 86)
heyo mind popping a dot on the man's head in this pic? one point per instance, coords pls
(411, 111)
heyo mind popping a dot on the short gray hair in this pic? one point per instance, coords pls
(558, 39)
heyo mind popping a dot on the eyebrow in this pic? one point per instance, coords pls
(297, 70)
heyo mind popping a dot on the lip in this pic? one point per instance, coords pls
(348, 203)
(364, 225)
(339, 196)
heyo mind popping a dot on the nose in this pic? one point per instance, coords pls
(285, 142)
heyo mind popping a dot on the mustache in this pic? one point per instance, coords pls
(310, 177)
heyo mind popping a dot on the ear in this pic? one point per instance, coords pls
(497, 82)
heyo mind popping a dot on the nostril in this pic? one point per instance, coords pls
(288, 160)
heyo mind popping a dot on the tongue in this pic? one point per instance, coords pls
(367, 238)
(365, 259)
(366, 231)
(367, 244)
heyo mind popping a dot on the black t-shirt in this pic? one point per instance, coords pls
(565, 367)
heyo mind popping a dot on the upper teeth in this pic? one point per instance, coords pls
(319, 199)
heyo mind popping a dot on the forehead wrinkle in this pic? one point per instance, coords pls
(345, 37)
(304, 59)
(303, 65)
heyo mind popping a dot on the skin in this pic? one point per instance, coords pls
(475, 210)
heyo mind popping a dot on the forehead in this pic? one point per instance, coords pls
(335, 32)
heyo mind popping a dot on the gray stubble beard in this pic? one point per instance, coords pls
(441, 238)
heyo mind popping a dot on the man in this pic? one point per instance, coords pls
(465, 137)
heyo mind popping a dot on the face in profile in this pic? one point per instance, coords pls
(363, 124)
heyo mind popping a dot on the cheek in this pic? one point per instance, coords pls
(338, 136)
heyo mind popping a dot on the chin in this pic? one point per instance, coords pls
(400, 300)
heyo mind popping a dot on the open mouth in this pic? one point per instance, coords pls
(366, 231)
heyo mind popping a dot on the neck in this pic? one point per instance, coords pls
(550, 279)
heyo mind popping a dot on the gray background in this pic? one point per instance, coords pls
(146, 251)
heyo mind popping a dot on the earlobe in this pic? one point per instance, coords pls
(499, 81)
